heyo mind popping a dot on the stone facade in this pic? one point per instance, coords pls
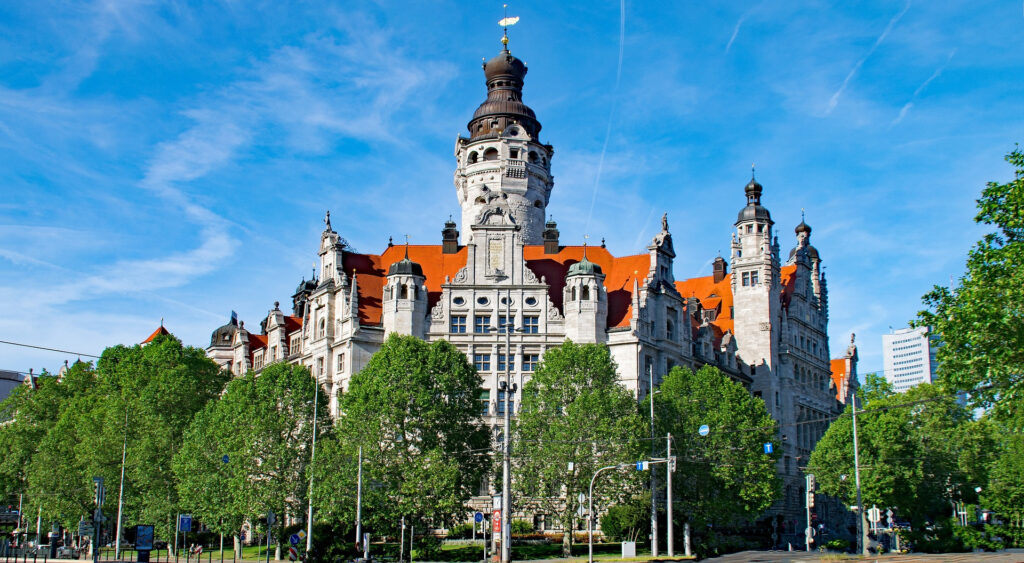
(765, 324)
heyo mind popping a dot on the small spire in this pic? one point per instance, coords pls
(161, 322)
(602, 242)
(801, 214)
(327, 220)
(585, 237)
(752, 168)
(406, 247)
(391, 242)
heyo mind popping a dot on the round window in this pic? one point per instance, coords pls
(504, 300)
(459, 301)
(531, 301)
(481, 300)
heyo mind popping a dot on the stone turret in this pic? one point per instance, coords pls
(405, 298)
(585, 302)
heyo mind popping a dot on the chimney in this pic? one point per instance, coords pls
(449, 238)
(719, 266)
(550, 236)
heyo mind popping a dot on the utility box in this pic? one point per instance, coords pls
(628, 549)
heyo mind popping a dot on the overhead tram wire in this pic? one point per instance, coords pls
(48, 349)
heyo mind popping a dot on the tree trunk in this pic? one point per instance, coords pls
(567, 536)
(238, 546)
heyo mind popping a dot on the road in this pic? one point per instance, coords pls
(1011, 556)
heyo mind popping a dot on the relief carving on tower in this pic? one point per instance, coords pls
(462, 276)
(437, 313)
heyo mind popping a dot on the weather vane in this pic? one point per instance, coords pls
(504, 23)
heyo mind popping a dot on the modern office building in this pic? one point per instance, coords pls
(909, 357)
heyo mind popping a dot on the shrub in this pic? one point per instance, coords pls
(521, 527)
(460, 532)
(838, 544)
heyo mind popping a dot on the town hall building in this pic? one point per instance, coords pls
(759, 318)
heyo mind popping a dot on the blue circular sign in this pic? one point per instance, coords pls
(703, 430)
(225, 458)
(478, 517)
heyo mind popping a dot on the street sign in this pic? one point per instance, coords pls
(293, 554)
(478, 517)
(225, 459)
(294, 539)
(496, 521)
(768, 448)
(704, 430)
(143, 538)
(271, 518)
(888, 517)
(185, 525)
(642, 465)
(874, 515)
(85, 528)
(302, 534)
(97, 516)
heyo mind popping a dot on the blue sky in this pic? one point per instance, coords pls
(175, 159)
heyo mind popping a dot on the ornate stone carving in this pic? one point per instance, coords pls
(553, 314)
(437, 313)
(462, 276)
(529, 276)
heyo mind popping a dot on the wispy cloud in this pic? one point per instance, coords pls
(735, 32)
(834, 100)
(910, 103)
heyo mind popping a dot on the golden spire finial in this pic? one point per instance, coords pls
(504, 23)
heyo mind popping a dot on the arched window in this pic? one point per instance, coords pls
(533, 156)
(323, 328)
(405, 292)
(491, 154)
(585, 293)
(472, 157)
(573, 295)
(538, 204)
(481, 200)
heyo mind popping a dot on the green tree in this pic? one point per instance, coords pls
(574, 410)
(413, 409)
(1005, 490)
(919, 450)
(725, 476)
(981, 319)
(264, 424)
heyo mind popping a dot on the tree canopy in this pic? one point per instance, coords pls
(918, 451)
(725, 476)
(575, 410)
(981, 319)
(414, 411)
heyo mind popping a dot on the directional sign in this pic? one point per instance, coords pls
(704, 430)
(85, 528)
(185, 524)
(874, 515)
(478, 517)
(294, 539)
(768, 448)
(225, 459)
(642, 465)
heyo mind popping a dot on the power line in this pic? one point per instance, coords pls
(48, 349)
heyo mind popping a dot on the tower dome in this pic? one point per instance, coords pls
(584, 268)
(754, 211)
(504, 105)
(405, 267)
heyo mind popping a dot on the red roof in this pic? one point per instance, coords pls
(291, 324)
(257, 341)
(156, 333)
(717, 296)
(839, 373)
(371, 273)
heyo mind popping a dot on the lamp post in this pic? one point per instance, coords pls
(654, 496)
(120, 494)
(312, 456)
(506, 467)
(861, 532)
(590, 510)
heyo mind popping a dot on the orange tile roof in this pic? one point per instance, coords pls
(618, 282)
(839, 373)
(788, 281)
(717, 296)
(291, 324)
(156, 333)
(372, 270)
(257, 341)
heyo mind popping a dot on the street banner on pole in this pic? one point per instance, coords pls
(496, 521)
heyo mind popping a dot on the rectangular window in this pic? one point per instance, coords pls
(746, 279)
(501, 405)
(296, 345)
(485, 403)
(506, 323)
(753, 278)
(273, 353)
(482, 362)
(458, 324)
(482, 324)
(530, 361)
(531, 325)
(501, 363)
(341, 363)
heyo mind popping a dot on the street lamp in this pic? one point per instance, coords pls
(120, 494)
(861, 528)
(509, 389)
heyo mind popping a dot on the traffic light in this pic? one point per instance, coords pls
(810, 499)
(811, 484)
(99, 492)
